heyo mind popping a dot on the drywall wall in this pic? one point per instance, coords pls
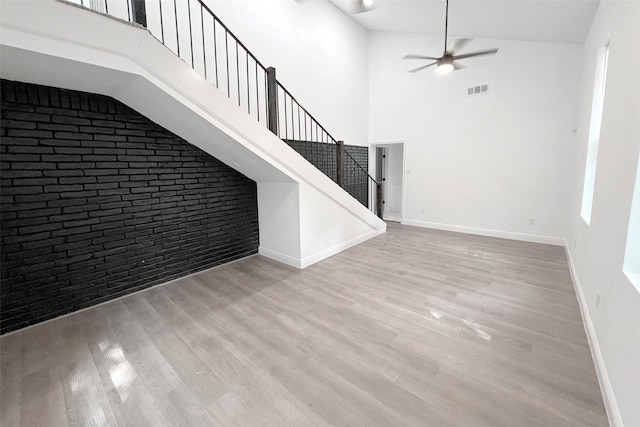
(320, 55)
(315, 213)
(597, 250)
(282, 207)
(486, 163)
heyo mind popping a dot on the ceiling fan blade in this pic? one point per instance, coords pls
(457, 66)
(457, 45)
(478, 53)
(411, 56)
(422, 68)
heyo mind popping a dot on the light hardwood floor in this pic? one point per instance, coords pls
(414, 327)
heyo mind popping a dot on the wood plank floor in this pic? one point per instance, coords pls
(414, 327)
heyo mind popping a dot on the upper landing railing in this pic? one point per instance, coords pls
(195, 34)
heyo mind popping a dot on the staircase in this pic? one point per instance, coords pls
(195, 34)
(191, 75)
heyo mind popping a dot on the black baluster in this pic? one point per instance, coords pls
(193, 64)
(248, 94)
(215, 50)
(204, 48)
(161, 21)
(286, 128)
(293, 121)
(238, 70)
(299, 128)
(257, 93)
(226, 51)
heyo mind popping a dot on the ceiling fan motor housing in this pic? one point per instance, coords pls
(447, 58)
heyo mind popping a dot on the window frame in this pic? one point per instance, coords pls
(595, 125)
(631, 263)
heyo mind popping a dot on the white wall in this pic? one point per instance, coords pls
(333, 229)
(486, 163)
(319, 53)
(598, 249)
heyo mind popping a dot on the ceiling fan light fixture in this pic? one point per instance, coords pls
(444, 66)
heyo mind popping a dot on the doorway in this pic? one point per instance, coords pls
(389, 167)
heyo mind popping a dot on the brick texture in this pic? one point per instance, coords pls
(98, 202)
(356, 171)
(356, 166)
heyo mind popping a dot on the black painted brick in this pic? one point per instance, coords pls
(59, 142)
(322, 156)
(15, 124)
(98, 202)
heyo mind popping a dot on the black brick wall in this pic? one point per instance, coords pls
(323, 156)
(356, 181)
(98, 201)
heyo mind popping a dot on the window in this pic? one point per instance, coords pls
(632, 254)
(594, 133)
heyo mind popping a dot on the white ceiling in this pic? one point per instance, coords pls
(558, 21)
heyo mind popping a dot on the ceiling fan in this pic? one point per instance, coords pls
(446, 62)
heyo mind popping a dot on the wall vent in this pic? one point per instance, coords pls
(478, 90)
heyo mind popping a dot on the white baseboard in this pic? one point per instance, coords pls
(318, 256)
(280, 257)
(613, 413)
(534, 238)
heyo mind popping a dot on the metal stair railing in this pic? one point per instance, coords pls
(194, 33)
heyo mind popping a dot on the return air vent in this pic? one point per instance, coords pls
(478, 90)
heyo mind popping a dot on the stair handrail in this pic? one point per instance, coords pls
(330, 137)
(136, 11)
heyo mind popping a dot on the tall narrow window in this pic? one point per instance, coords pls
(594, 133)
(632, 254)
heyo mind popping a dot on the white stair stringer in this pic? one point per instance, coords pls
(304, 217)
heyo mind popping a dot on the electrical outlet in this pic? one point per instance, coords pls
(597, 299)
(532, 221)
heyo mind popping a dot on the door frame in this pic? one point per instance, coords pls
(373, 162)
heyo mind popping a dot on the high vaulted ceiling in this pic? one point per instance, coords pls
(559, 21)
